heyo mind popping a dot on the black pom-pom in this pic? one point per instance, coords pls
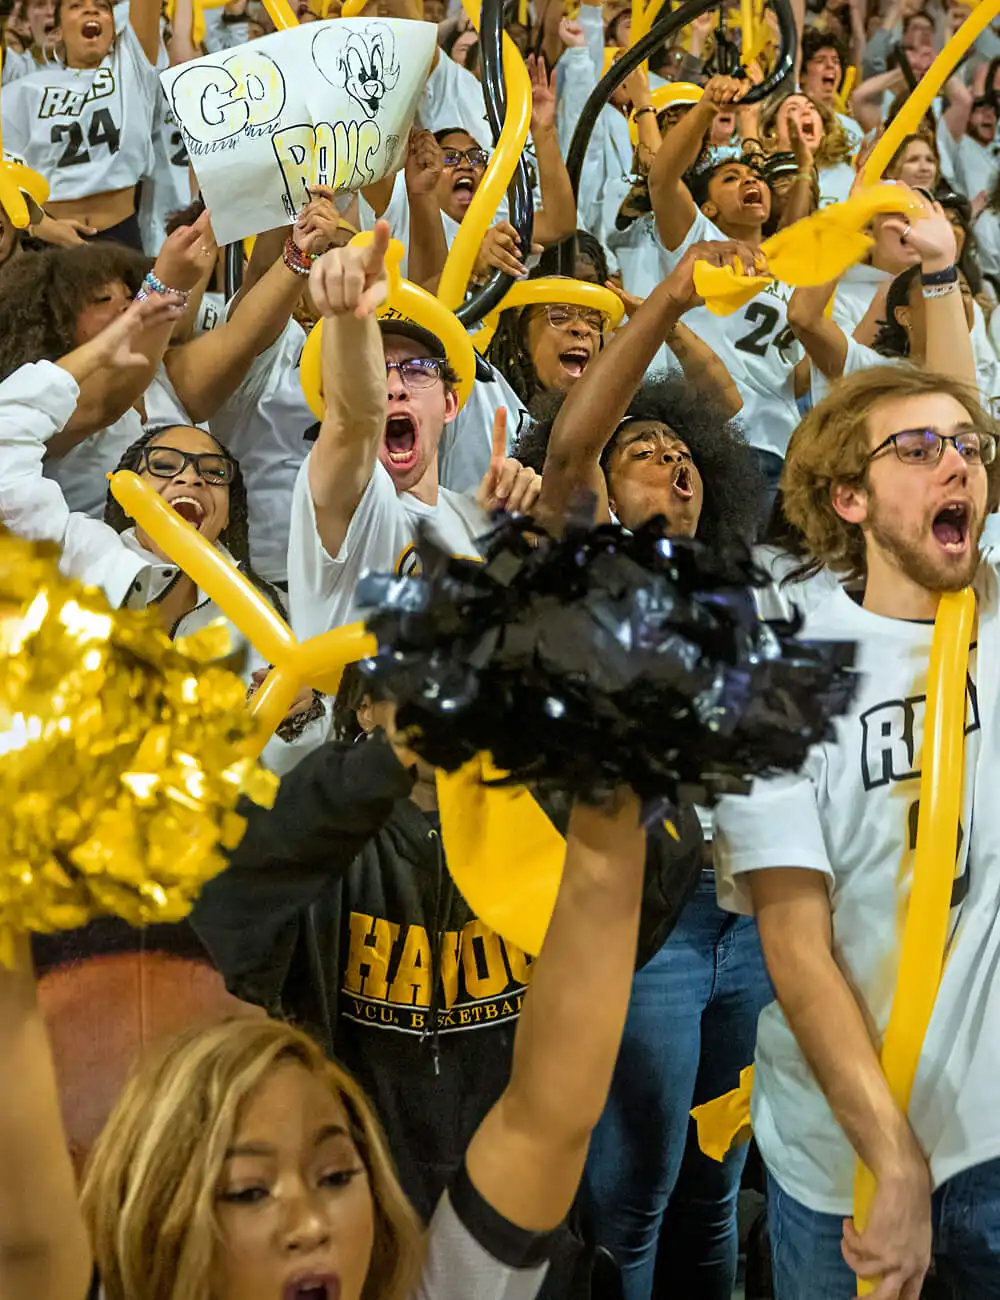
(601, 658)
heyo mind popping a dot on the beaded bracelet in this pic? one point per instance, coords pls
(940, 290)
(646, 108)
(295, 259)
(152, 284)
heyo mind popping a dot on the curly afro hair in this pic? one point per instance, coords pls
(733, 487)
(43, 294)
(235, 537)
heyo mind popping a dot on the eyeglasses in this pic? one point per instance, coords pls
(474, 157)
(416, 372)
(561, 314)
(168, 462)
(926, 446)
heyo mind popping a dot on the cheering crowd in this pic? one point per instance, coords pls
(406, 1104)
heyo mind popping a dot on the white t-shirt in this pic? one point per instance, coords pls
(853, 131)
(856, 289)
(18, 64)
(755, 343)
(168, 188)
(380, 539)
(835, 183)
(851, 816)
(82, 473)
(268, 426)
(86, 130)
(975, 167)
(987, 232)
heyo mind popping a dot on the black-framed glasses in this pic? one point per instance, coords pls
(474, 157)
(416, 372)
(561, 314)
(926, 446)
(168, 462)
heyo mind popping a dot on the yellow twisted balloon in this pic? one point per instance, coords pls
(925, 936)
(551, 288)
(911, 114)
(318, 662)
(406, 299)
(502, 164)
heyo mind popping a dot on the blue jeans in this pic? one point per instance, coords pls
(805, 1246)
(691, 1028)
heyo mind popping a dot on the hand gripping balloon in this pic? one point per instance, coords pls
(404, 299)
(477, 220)
(911, 114)
(318, 662)
(925, 935)
(813, 251)
(725, 1120)
(552, 288)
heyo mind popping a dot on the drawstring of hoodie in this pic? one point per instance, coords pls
(442, 911)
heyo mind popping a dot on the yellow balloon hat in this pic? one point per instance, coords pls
(551, 288)
(674, 92)
(411, 302)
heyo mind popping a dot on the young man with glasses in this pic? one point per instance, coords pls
(371, 479)
(888, 481)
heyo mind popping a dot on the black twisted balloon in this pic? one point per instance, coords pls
(663, 28)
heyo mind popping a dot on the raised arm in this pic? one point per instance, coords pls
(948, 348)
(556, 218)
(866, 102)
(428, 247)
(959, 101)
(207, 370)
(792, 907)
(595, 405)
(823, 339)
(144, 19)
(527, 1156)
(44, 1251)
(673, 206)
(104, 398)
(347, 285)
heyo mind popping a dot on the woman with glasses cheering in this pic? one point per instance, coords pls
(546, 347)
(185, 466)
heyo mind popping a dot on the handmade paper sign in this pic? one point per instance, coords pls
(327, 103)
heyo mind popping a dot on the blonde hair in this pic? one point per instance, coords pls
(830, 447)
(149, 1193)
(834, 148)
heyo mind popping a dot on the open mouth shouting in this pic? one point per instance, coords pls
(314, 1286)
(951, 528)
(682, 483)
(91, 29)
(189, 508)
(464, 188)
(752, 195)
(575, 361)
(401, 442)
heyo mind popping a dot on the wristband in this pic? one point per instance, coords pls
(294, 258)
(646, 108)
(948, 276)
(152, 284)
(939, 290)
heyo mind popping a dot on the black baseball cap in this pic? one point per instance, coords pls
(404, 328)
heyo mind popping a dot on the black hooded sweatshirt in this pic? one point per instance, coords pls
(337, 912)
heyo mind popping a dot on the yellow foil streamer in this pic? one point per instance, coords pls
(121, 757)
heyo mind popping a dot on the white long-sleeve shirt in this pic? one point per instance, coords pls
(36, 402)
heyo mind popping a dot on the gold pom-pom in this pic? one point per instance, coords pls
(122, 755)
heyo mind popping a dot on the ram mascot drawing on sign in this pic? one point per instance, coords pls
(361, 62)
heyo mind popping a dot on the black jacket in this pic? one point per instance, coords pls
(337, 912)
